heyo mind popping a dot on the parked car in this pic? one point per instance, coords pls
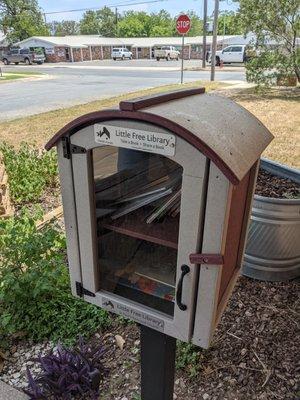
(121, 53)
(167, 53)
(231, 54)
(23, 56)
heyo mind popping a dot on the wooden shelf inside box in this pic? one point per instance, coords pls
(164, 233)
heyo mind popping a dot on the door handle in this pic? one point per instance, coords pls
(185, 269)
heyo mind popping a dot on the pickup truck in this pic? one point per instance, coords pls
(167, 53)
(121, 53)
(231, 54)
(22, 56)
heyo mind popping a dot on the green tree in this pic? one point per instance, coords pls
(63, 28)
(134, 24)
(276, 24)
(162, 24)
(20, 19)
(230, 23)
(101, 22)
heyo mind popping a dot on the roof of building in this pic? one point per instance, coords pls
(95, 40)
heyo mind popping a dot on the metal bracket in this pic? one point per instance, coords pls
(69, 149)
(81, 291)
(209, 259)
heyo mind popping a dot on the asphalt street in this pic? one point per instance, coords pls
(70, 84)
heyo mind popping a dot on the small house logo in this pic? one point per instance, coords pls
(103, 132)
(108, 304)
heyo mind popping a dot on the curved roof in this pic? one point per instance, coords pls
(222, 130)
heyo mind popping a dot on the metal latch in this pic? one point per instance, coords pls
(81, 291)
(69, 148)
(209, 259)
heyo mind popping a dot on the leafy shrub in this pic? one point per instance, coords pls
(29, 171)
(268, 66)
(68, 372)
(35, 296)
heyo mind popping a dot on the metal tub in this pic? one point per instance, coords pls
(273, 246)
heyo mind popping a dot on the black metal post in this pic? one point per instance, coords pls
(157, 365)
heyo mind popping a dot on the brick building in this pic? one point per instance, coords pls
(95, 47)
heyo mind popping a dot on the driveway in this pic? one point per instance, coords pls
(78, 83)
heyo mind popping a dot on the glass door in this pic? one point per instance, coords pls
(137, 206)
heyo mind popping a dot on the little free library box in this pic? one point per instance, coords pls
(157, 196)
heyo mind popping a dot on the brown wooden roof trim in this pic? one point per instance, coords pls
(105, 115)
(152, 100)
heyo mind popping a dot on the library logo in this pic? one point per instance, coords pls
(108, 304)
(103, 132)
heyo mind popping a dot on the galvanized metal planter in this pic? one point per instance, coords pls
(273, 246)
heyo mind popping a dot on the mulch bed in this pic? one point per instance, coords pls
(270, 185)
(254, 354)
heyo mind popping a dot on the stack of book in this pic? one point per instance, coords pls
(156, 188)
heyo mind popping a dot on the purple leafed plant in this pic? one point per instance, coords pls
(68, 373)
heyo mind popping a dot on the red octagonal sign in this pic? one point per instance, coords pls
(183, 24)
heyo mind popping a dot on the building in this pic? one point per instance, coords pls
(95, 47)
(3, 43)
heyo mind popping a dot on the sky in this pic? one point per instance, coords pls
(174, 7)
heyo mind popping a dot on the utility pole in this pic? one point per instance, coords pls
(204, 33)
(116, 13)
(214, 43)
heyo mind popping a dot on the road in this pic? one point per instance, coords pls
(70, 84)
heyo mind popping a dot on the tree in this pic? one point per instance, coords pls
(101, 22)
(63, 28)
(229, 23)
(134, 24)
(139, 23)
(275, 24)
(20, 19)
(162, 24)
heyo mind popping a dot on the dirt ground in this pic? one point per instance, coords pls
(255, 354)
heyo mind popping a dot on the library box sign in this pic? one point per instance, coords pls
(157, 196)
(136, 139)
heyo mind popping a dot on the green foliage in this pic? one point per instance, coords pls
(63, 28)
(101, 22)
(35, 296)
(20, 19)
(29, 171)
(268, 66)
(274, 22)
(134, 24)
(142, 24)
(188, 357)
(230, 23)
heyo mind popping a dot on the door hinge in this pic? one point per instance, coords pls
(69, 148)
(81, 291)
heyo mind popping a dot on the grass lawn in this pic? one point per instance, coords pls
(279, 111)
(10, 76)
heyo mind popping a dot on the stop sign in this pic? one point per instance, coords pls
(183, 24)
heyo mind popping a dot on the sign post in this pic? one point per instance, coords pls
(183, 25)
